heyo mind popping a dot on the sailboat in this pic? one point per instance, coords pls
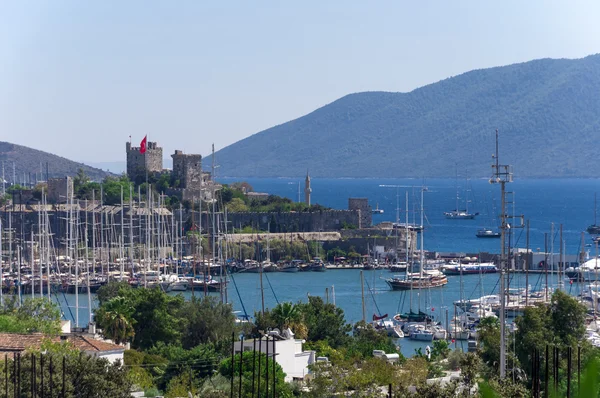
(594, 229)
(425, 278)
(457, 213)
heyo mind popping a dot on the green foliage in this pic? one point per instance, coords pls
(237, 205)
(198, 362)
(325, 322)
(152, 312)
(33, 316)
(207, 320)
(561, 323)
(440, 350)
(85, 376)
(251, 361)
(110, 290)
(116, 319)
(366, 339)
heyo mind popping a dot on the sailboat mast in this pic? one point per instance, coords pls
(87, 266)
(131, 228)
(1, 255)
(121, 253)
(362, 295)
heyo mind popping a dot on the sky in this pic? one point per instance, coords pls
(77, 78)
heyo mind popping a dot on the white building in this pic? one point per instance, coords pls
(288, 353)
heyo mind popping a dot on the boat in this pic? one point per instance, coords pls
(425, 280)
(180, 285)
(487, 233)
(457, 213)
(412, 317)
(317, 265)
(398, 267)
(460, 215)
(588, 271)
(377, 210)
(292, 266)
(594, 229)
(392, 329)
(467, 269)
(419, 332)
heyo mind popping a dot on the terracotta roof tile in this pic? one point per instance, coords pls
(13, 342)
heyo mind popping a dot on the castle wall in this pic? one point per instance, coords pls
(329, 220)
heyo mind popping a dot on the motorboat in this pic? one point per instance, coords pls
(487, 233)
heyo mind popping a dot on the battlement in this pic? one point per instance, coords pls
(140, 164)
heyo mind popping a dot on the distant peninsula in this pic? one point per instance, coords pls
(547, 112)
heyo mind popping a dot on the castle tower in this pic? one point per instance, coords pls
(307, 189)
(139, 164)
(187, 169)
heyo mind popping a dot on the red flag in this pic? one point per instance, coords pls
(143, 145)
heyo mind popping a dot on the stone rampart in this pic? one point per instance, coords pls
(327, 220)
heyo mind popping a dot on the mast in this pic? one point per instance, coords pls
(76, 251)
(121, 254)
(87, 267)
(362, 295)
(502, 174)
(527, 265)
(560, 259)
(1, 257)
(131, 228)
(32, 266)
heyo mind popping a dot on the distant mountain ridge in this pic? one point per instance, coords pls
(30, 165)
(547, 112)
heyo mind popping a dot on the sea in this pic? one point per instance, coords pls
(543, 202)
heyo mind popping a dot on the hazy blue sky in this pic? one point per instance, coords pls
(77, 78)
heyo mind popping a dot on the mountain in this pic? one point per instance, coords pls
(547, 112)
(30, 165)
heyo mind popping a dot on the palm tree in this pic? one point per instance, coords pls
(288, 315)
(115, 319)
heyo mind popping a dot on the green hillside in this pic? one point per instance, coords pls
(28, 162)
(547, 112)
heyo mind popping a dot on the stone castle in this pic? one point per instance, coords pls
(188, 180)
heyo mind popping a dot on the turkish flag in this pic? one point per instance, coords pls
(143, 145)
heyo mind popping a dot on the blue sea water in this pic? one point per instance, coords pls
(570, 202)
(542, 201)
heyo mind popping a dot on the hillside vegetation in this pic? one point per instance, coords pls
(31, 161)
(547, 112)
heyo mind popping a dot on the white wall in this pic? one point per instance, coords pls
(293, 361)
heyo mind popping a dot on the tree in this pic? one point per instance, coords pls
(110, 290)
(154, 315)
(84, 375)
(33, 316)
(287, 315)
(207, 320)
(237, 205)
(366, 339)
(225, 369)
(325, 322)
(489, 337)
(116, 320)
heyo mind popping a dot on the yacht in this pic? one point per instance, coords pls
(428, 279)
